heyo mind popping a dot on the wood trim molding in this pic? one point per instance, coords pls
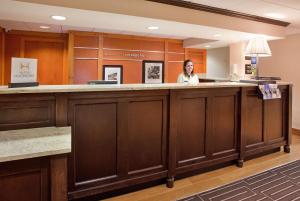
(231, 13)
(100, 56)
(295, 131)
(71, 57)
(38, 34)
(2, 58)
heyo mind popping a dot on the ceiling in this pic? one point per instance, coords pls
(15, 15)
(289, 8)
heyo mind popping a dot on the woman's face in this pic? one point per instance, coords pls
(189, 67)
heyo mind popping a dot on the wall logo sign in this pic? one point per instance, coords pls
(125, 54)
(23, 72)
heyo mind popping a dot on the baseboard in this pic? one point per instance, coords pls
(295, 131)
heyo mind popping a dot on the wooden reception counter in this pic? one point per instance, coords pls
(124, 135)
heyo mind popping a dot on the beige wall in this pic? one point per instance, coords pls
(217, 62)
(285, 63)
(236, 57)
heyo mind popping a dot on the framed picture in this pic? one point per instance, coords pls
(113, 73)
(153, 72)
(248, 69)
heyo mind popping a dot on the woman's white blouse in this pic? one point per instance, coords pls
(188, 79)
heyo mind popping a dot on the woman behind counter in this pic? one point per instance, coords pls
(188, 76)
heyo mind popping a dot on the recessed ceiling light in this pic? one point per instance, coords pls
(207, 46)
(44, 27)
(275, 15)
(217, 35)
(58, 17)
(153, 28)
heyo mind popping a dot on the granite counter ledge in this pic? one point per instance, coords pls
(33, 143)
(122, 87)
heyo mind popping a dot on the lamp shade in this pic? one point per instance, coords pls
(258, 47)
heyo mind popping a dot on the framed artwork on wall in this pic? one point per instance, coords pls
(113, 73)
(153, 72)
(248, 69)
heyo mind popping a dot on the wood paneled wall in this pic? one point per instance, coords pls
(79, 56)
(50, 49)
(90, 51)
(1, 56)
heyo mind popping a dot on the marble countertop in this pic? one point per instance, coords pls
(116, 87)
(35, 142)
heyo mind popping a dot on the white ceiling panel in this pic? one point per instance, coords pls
(34, 15)
(289, 8)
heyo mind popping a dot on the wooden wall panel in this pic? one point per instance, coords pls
(174, 70)
(26, 180)
(95, 140)
(132, 70)
(86, 41)
(49, 49)
(26, 111)
(146, 132)
(12, 49)
(2, 37)
(130, 51)
(224, 124)
(131, 43)
(274, 119)
(191, 132)
(85, 53)
(176, 47)
(85, 70)
(50, 55)
(254, 124)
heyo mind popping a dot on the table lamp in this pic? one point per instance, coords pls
(258, 47)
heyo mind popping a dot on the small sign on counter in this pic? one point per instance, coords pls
(269, 91)
(23, 72)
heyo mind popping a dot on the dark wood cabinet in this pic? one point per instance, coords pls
(266, 122)
(204, 127)
(124, 138)
(26, 180)
(26, 111)
(118, 138)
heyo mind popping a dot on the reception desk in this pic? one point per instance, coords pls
(124, 135)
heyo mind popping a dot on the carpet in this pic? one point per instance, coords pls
(281, 184)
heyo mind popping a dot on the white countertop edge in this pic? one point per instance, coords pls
(34, 142)
(34, 155)
(122, 87)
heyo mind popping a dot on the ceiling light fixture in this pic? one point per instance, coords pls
(58, 17)
(153, 28)
(217, 35)
(207, 46)
(44, 27)
(275, 15)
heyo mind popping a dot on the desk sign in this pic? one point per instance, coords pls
(23, 72)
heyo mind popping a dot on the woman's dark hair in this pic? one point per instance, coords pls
(184, 65)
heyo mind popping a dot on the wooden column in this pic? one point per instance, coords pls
(289, 119)
(58, 166)
(243, 123)
(100, 57)
(2, 37)
(71, 57)
(166, 62)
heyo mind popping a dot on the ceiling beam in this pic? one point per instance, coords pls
(201, 7)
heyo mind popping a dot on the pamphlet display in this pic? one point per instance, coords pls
(23, 72)
(269, 91)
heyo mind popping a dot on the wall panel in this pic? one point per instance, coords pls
(1, 56)
(50, 55)
(130, 51)
(49, 49)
